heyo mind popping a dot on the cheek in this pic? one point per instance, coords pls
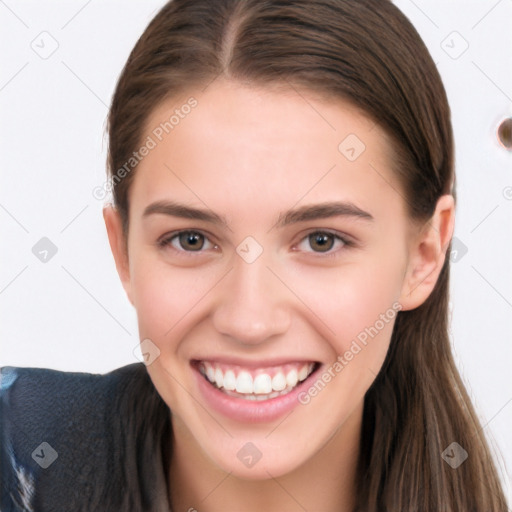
(355, 307)
(156, 303)
(168, 298)
(357, 318)
(168, 302)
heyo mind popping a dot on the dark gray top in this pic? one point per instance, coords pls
(83, 442)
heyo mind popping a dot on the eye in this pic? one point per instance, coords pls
(187, 241)
(322, 242)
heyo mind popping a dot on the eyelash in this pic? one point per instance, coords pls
(166, 242)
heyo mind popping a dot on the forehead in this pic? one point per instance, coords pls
(240, 146)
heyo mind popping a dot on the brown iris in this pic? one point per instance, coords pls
(321, 242)
(191, 241)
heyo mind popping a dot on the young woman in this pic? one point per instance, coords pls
(283, 185)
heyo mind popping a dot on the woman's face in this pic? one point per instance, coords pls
(268, 238)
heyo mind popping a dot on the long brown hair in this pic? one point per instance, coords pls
(365, 52)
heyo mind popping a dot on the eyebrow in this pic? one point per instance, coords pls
(183, 211)
(322, 211)
(292, 216)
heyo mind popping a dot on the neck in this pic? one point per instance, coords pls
(324, 482)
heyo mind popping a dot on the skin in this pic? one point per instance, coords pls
(248, 155)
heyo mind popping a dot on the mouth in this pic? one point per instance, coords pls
(253, 393)
(256, 384)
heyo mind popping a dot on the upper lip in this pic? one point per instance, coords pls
(256, 363)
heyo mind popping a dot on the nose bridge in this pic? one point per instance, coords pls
(251, 307)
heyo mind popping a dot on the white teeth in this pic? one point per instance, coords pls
(210, 372)
(261, 387)
(262, 384)
(244, 383)
(230, 380)
(303, 373)
(292, 378)
(278, 382)
(219, 377)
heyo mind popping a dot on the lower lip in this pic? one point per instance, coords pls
(250, 411)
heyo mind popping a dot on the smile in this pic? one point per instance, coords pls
(256, 384)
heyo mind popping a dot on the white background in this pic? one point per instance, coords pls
(71, 313)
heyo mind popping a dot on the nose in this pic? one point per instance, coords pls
(252, 304)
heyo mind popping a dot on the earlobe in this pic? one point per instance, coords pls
(427, 254)
(118, 246)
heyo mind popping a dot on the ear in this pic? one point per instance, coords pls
(118, 246)
(427, 254)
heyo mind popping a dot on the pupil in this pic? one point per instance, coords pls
(191, 241)
(321, 242)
